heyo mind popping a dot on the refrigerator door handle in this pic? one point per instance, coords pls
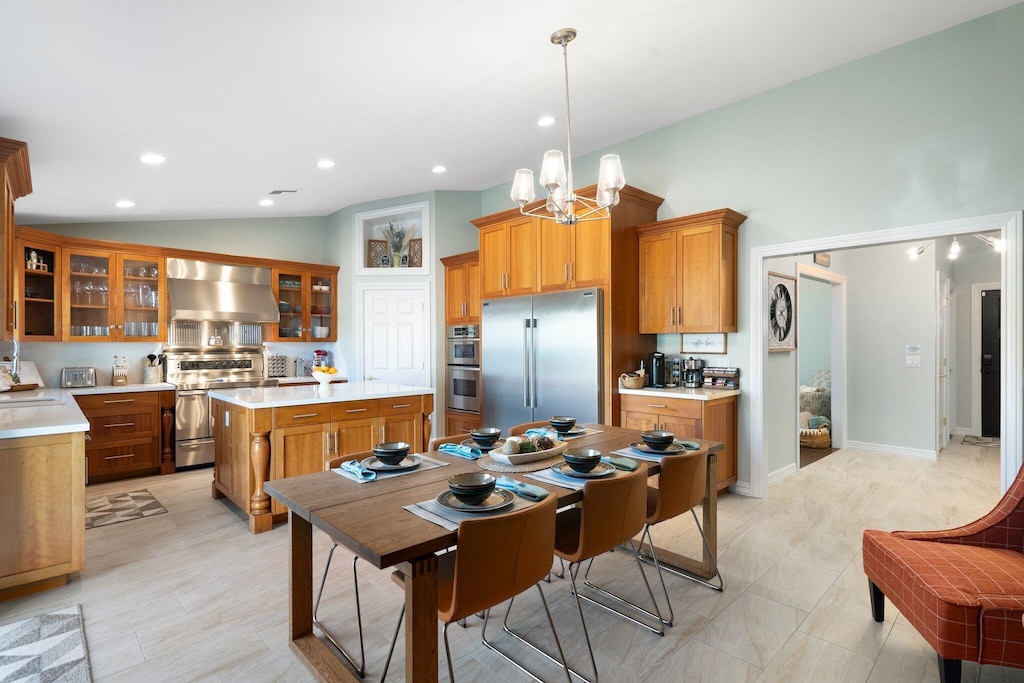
(533, 364)
(527, 361)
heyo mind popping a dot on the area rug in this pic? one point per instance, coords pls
(985, 441)
(121, 507)
(49, 648)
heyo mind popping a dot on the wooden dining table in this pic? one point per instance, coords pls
(370, 520)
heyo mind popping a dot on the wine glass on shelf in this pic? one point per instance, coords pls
(88, 290)
(76, 289)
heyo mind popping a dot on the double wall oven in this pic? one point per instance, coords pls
(463, 361)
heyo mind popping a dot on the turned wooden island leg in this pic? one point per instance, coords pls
(260, 519)
(167, 439)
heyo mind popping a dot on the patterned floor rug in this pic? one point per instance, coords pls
(985, 441)
(121, 507)
(49, 648)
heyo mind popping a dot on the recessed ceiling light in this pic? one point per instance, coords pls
(124, 204)
(439, 169)
(266, 202)
(152, 158)
(545, 121)
(325, 163)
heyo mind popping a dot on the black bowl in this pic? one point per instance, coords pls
(392, 452)
(657, 439)
(471, 488)
(562, 423)
(582, 459)
(486, 436)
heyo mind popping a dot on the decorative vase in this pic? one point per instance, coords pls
(396, 258)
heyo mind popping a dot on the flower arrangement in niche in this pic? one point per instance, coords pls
(395, 235)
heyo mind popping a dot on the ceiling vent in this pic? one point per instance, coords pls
(282, 192)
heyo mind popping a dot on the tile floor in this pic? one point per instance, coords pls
(192, 596)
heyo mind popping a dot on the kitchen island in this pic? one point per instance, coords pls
(42, 490)
(264, 433)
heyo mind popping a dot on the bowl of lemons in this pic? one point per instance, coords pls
(324, 374)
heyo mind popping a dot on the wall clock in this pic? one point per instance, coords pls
(781, 312)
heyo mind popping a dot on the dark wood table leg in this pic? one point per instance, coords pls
(421, 620)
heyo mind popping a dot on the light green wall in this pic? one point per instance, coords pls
(814, 332)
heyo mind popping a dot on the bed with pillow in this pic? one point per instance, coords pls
(816, 411)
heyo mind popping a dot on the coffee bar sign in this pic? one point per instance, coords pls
(704, 343)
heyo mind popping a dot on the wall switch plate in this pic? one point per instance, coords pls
(913, 361)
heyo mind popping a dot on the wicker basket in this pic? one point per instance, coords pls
(634, 382)
(816, 438)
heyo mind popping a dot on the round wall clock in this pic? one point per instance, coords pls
(781, 312)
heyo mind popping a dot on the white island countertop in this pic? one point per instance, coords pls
(698, 394)
(39, 413)
(279, 397)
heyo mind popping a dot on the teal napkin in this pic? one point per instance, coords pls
(528, 491)
(626, 464)
(540, 431)
(460, 450)
(356, 468)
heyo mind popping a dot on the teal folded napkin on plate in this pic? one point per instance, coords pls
(356, 468)
(540, 431)
(460, 450)
(627, 464)
(528, 491)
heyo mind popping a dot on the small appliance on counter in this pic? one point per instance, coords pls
(303, 367)
(277, 366)
(693, 373)
(321, 359)
(72, 378)
(656, 370)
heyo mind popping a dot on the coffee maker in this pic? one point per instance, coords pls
(656, 370)
(693, 373)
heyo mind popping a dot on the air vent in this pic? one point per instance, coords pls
(282, 192)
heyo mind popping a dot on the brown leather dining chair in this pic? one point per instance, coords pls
(496, 559)
(680, 488)
(519, 430)
(361, 666)
(612, 512)
(455, 438)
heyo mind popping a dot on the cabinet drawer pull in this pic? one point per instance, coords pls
(120, 400)
(296, 417)
(355, 410)
(656, 405)
(120, 424)
(119, 457)
(402, 405)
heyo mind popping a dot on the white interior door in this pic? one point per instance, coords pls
(942, 360)
(395, 339)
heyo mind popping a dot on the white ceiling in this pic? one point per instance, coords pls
(244, 96)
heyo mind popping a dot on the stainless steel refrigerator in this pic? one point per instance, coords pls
(541, 356)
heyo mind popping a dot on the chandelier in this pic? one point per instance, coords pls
(562, 202)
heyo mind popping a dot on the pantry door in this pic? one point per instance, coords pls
(395, 340)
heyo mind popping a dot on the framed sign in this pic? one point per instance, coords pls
(781, 318)
(393, 241)
(823, 258)
(704, 343)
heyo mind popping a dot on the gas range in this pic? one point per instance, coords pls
(189, 370)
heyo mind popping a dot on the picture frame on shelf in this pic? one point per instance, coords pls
(781, 312)
(393, 241)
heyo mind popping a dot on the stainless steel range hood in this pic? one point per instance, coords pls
(199, 290)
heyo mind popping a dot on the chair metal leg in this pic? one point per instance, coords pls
(448, 654)
(536, 648)
(656, 614)
(394, 639)
(649, 559)
(491, 646)
(361, 666)
(661, 577)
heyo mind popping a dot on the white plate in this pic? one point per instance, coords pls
(409, 462)
(603, 469)
(498, 499)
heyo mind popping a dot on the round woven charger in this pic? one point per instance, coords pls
(487, 462)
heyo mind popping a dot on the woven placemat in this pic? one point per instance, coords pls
(487, 462)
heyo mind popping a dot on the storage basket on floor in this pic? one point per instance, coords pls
(816, 438)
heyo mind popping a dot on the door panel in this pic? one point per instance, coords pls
(658, 284)
(394, 336)
(991, 363)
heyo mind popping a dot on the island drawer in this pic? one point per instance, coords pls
(353, 410)
(678, 407)
(117, 402)
(400, 405)
(123, 457)
(121, 425)
(295, 416)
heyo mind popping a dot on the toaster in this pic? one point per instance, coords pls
(77, 377)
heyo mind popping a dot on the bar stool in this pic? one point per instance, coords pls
(361, 666)
(681, 487)
(497, 558)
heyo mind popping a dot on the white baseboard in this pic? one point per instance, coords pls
(963, 431)
(741, 487)
(893, 450)
(782, 473)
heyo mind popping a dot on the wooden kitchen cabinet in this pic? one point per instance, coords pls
(714, 420)
(458, 422)
(574, 256)
(125, 437)
(688, 273)
(462, 288)
(15, 182)
(42, 503)
(113, 296)
(37, 291)
(509, 263)
(307, 304)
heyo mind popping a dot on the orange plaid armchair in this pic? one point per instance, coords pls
(962, 589)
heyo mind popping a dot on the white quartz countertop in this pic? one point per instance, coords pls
(39, 413)
(306, 380)
(699, 394)
(281, 396)
(111, 389)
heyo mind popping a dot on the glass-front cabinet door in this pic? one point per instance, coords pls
(141, 290)
(37, 292)
(322, 314)
(293, 305)
(90, 294)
